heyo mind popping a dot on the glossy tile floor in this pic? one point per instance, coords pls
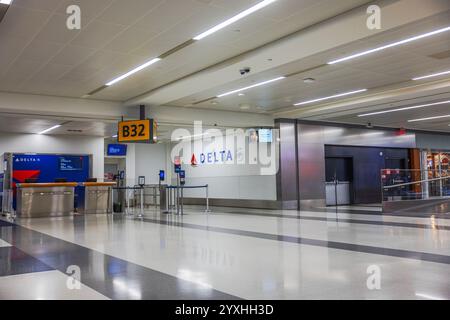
(230, 253)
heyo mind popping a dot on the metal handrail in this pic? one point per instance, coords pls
(415, 182)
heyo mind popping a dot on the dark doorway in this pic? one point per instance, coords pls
(339, 168)
(339, 178)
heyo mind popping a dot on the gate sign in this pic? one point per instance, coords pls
(137, 131)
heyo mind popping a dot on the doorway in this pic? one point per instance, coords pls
(339, 180)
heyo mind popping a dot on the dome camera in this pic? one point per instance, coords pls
(244, 71)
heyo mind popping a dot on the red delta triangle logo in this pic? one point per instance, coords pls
(194, 161)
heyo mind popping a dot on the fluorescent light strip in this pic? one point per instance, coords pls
(5, 1)
(405, 108)
(50, 129)
(250, 87)
(430, 118)
(330, 97)
(129, 73)
(394, 44)
(232, 20)
(432, 75)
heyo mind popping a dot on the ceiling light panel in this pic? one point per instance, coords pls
(430, 118)
(129, 73)
(432, 75)
(391, 45)
(50, 129)
(403, 109)
(250, 87)
(234, 19)
(330, 97)
(5, 1)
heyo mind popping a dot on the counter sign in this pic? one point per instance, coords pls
(137, 131)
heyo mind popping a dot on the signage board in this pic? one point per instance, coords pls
(137, 131)
(117, 150)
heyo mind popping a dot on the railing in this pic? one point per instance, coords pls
(400, 185)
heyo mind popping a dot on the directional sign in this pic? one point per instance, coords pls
(137, 131)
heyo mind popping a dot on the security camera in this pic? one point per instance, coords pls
(244, 70)
(369, 125)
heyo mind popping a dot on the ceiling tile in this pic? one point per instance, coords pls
(72, 55)
(56, 30)
(45, 5)
(130, 40)
(97, 34)
(40, 51)
(168, 14)
(24, 23)
(128, 12)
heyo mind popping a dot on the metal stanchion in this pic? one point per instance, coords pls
(141, 213)
(182, 209)
(112, 200)
(207, 199)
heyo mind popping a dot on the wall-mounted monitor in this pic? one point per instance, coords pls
(70, 163)
(117, 150)
(265, 135)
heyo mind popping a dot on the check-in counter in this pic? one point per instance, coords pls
(36, 200)
(96, 198)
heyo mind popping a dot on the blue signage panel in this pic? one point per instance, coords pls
(162, 175)
(70, 163)
(49, 167)
(117, 150)
(177, 168)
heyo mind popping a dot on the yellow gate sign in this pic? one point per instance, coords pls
(137, 131)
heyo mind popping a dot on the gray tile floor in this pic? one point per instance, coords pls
(231, 253)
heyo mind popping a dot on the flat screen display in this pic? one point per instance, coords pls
(70, 163)
(117, 150)
(265, 135)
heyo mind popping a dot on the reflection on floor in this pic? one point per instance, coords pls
(230, 253)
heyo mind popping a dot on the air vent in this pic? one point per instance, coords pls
(75, 130)
(441, 55)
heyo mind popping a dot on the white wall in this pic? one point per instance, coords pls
(19, 143)
(149, 159)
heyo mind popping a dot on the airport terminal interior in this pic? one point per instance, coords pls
(225, 150)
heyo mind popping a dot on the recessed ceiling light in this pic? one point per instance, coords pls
(309, 80)
(129, 73)
(432, 75)
(390, 45)
(241, 94)
(214, 102)
(330, 97)
(5, 1)
(405, 108)
(430, 118)
(232, 20)
(250, 87)
(244, 106)
(50, 129)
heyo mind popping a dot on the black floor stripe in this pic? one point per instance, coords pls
(344, 220)
(113, 277)
(416, 255)
(379, 213)
(14, 261)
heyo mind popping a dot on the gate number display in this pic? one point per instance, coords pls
(136, 131)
